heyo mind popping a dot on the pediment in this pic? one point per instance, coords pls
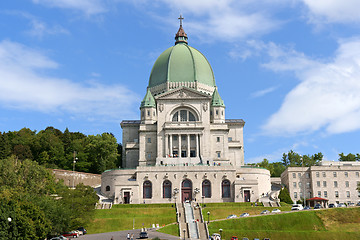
(183, 93)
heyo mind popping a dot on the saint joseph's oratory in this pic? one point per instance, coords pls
(183, 147)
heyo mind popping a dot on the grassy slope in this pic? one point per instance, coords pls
(325, 224)
(120, 217)
(222, 210)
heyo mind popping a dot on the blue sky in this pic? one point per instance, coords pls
(289, 68)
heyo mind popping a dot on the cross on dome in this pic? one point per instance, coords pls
(181, 18)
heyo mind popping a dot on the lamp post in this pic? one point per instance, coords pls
(203, 200)
(208, 213)
(304, 194)
(75, 158)
(220, 230)
(184, 233)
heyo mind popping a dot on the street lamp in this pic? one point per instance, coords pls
(220, 230)
(304, 194)
(75, 159)
(184, 233)
(203, 200)
(208, 213)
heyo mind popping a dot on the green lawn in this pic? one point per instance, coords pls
(324, 224)
(222, 210)
(121, 217)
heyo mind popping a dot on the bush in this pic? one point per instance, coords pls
(284, 196)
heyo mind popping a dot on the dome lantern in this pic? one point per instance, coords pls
(181, 36)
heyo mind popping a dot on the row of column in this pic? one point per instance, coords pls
(169, 144)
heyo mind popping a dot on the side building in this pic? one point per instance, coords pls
(335, 181)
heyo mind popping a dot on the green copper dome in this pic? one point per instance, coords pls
(180, 64)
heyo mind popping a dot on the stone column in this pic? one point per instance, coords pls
(179, 146)
(188, 145)
(197, 145)
(166, 145)
(171, 146)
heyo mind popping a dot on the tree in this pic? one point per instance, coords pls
(37, 204)
(284, 196)
(350, 157)
(293, 159)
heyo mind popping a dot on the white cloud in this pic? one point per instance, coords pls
(263, 92)
(39, 29)
(344, 11)
(23, 87)
(328, 96)
(213, 20)
(89, 7)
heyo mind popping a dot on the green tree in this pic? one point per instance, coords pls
(102, 149)
(284, 196)
(350, 157)
(293, 159)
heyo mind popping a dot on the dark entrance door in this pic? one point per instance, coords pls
(126, 197)
(186, 190)
(247, 195)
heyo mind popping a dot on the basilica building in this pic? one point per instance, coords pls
(183, 147)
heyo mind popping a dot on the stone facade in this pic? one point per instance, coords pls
(183, 147)
(335, 181)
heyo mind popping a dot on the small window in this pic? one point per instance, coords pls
(294, 175)
(348, 194)
(183, 115)
(149, 156)
(319, 193)
(307, 175)
(191, 117)
(218, 139)
(148, 112)
(325, 194)
(299, 175)
(317, 174)
(149, 140)
(346, 174)
(167, 189)
(175, 117)
(318, 183)
(334, 174)
(175, 137)
(324, 183)
(183, 138)
(295, 194)
(347, 184)
(217, 112)
(294, 184)
(300, 184)
(357, 174)
(308, 185)
(336, 194)
(206, 189)
(230, 139)
(222, 113)
(107, 188)
(335, 184)
(324, 174)
(218, 154)
(192, 137)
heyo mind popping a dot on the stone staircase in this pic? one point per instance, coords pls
(191, 222)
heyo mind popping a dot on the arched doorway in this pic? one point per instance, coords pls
(186, 190)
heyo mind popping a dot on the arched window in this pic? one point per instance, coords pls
(147, 189)
(167, 189)
(186, 184)
(206, 189)
(225, 187)
(183, 115)
(107, 188)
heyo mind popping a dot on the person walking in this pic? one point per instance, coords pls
(132, 236)
(128, 236)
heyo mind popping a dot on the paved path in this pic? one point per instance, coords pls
(121, 235)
